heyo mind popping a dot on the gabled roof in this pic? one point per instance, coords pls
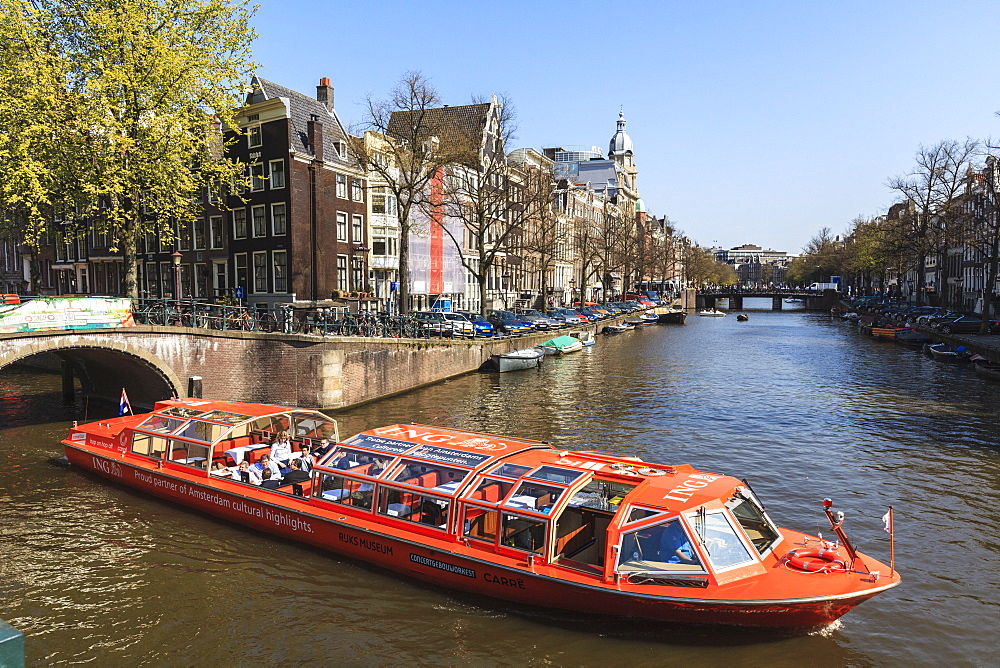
(453, 126)
(301, 109)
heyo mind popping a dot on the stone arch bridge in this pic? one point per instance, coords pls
(154, 363)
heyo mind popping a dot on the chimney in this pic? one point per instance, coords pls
(324, 93)
(315, 130)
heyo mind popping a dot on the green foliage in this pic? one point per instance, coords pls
(113, 112)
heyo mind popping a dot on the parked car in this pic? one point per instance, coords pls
(482, 326)
(460, 325)
(508, 323)
(967, 324)
(566, 316)
(537, 320)
(433, 323)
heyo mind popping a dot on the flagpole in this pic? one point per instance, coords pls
(892, 543)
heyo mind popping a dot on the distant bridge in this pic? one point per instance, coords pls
(812, 300)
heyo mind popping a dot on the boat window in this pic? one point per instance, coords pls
(225, 416)
(149, 445)
(492, 491)
(599, 494)
(637, 514)
(189, 454)
(181, 412)
(358, 462)
(523, 533)
(208, 432)
(756, 525)
(480, 523)
(313, 427)
(660, 547)
(511, 470)
(557, 475)
(431, 476)
(406, 505)
(532, 496)
(347, 491)
(161, 424)
(723, 545)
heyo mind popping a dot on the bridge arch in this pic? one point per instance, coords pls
(104, 367)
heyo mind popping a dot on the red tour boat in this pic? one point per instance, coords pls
(587, 531)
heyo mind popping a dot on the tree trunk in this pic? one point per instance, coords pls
(130, 279)
(403, 278)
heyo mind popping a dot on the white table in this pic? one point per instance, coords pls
(238, 453)
(523, 501)
(449, 487)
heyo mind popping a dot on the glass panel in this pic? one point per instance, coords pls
(557, 475)
(414, 507)
(346, 491)
(151, 446)
(724, 547)
(203, 431)
(492, 491)
(359, 463)
(480, 523)
(180, 411)
(637, 514)
(223, 416)
(511, 470)
(523, 533)
(532, 496)
(599, 494)
(189, 454)
(757, 527)
(162, 424)
(438, 478)
(312, 427)
(661, 547)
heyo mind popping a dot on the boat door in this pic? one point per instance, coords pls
(581, 529)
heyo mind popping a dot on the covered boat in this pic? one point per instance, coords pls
(519, 520)
(562, 345)
(586, 337)
(515, 360)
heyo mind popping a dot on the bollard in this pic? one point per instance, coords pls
(194, 387)
(11, 646)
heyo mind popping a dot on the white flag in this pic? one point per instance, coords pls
(887, 518)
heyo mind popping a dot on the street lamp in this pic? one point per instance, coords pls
(176, 257)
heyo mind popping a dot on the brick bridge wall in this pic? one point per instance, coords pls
(156, 362)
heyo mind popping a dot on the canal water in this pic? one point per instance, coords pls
(798, 403)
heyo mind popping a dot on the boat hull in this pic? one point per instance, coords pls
(297, 519)
(510, 362)
(671, 318)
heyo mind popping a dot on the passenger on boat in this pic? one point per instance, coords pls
(281, 450)
(342, 462)
(245, 473)
(675, 548)
(322, 448)
(267, 481)
(377, 467)
(305, 458)
(266, 463)
(296, 474)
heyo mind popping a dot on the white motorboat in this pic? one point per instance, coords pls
(515, 360)
(712, 313)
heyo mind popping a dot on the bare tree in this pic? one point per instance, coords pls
(544, 235)
(934, 187)
(404, 155)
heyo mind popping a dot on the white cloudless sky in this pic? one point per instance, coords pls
(753, 122)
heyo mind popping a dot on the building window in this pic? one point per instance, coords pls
(215, 228)
(279, 223)
(277, 174)
(357, 229)
(256, 177)
(254, 137)
(183, 233)
(341, 226)
(241, 270)
(220, 278)
(280, 260)
(383, 202)
(258, 220)
(357, 273)
(260, 271)
(239, 223)
(342, 272)
(198, 227)
(357, 192)
(200, 280)
(341, 186)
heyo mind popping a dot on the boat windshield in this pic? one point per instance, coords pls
(721, 542)
(755, 523)
(666, 546)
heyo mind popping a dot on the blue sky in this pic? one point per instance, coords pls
(753, 122)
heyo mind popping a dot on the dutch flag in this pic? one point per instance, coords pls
(123, 404)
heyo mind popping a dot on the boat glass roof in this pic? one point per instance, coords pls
(180, 411)
(511, 470)
(554, 474)
(161, 424)
(225, 416)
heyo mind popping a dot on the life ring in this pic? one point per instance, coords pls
(814, 560)
(651, 472)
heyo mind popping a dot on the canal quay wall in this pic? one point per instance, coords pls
(153, 363)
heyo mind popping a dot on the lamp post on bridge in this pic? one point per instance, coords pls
(176, 257)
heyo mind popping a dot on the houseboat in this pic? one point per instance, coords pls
(583, 531)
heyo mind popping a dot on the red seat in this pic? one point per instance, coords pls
(11, 299)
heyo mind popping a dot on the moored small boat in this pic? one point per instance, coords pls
(889, 333)
(987, 369)
(649, 317)
(515, 360)
(912, 337)
(614, 329)
(742, 317)
(523, 521)
(586, 337)
(562, 345)
(671, 318)
(945, 353)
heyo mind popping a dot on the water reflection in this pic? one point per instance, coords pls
(796, 402)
